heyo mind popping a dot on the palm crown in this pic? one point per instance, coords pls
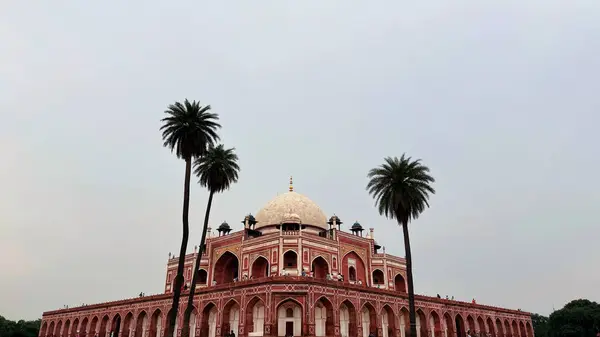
(401, 188)
(189, 129)
(217, 169)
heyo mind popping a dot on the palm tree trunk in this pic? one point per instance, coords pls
(190, 306)
(412, 315)
(184, 241)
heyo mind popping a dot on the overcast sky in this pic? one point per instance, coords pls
(498, 99)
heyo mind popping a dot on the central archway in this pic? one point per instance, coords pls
(353, 268)
(289, 319)
(226, 268)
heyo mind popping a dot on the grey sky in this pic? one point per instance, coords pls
(498, 99)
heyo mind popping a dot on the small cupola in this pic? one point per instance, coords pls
(356, 229)
(224, 229)
(334, 222)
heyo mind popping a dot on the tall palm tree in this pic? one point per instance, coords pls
(188, 130)
(401, 188)
(216, 170)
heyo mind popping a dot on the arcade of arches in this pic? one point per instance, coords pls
(290, 317)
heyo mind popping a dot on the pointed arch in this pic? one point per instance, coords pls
(142, 323)
(481, 325)
(83, 327)
(290, 261)
(202, 276)
(255, 315)
(156, 323)
(208, 323)
(43, 329)
(522, 331)
(435, 323)
(491, 326)
(290, 313)
(461, 329)
(378, 277)
(320, 267)
(348, 319)
(507, 329)
(529, 329)
(94, 326)
(499, 328)
(231, 317)
(66, 328)
(51, 328)
(404, 320)
(388, 321)
(103, 326)
(324, 317)
(368, 316)
(59, 327)
(74, 327)
(127, 324)
(470, 324)
(115, 325)
(226, 268)
(353, 267)
(515, 328)
(422, 322)
(400, 283)
(449, 324)
(259, 267)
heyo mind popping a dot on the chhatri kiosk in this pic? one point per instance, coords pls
(290, 270)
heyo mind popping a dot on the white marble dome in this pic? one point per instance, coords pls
(283, 205)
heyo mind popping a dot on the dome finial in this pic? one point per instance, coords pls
(291, 184)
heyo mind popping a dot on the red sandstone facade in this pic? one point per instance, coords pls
(290, 271)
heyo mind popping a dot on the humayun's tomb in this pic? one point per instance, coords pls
(290, 271)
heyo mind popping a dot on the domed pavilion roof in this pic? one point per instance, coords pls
(291, 204)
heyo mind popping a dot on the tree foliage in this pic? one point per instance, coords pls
(20, 328)
(578, 318)
(540, 325)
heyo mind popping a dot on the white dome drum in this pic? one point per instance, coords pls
(291, 204)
